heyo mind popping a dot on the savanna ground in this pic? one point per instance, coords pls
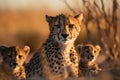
(100, 26)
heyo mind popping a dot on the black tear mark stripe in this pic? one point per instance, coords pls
(59, 34)
(70, 34)
(59, 29)
(76, 29)
(64, 18)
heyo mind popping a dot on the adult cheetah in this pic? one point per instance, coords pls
(57, 58)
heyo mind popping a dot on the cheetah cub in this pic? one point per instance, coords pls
(13, 60)
(87, 55)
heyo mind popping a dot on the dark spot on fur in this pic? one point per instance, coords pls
(51, 65)
(52, 55)
(58, 62)
(55, 61)
(67, 61)
(62, 69)
(49, 60)
(53, 70)
(52, 59)
(56, 71)
(59, 67)
(55, 67)
(56, 56)
(60, 72)
(62, 64)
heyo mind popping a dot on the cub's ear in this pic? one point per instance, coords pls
(98, 47)
(2, 49)
(26, 49)
(49, 18)
(17, 48)
(79, 17)
(79, 48)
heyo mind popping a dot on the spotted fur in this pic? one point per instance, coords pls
(57, 58)
(13, 59)
(87, 55)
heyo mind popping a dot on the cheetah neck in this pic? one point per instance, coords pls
(64, 47)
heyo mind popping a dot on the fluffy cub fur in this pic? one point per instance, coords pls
(87, 55)
(12, 62)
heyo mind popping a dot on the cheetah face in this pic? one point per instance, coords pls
(64, 28)
(88, 53)
(14, 56)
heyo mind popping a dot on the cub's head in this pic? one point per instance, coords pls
(14, 56)
(64, 28)
(88, 53)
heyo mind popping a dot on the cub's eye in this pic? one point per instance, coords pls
(20, 56)
(57, 26)
(71, 25)
(9, 56)
(88, 51)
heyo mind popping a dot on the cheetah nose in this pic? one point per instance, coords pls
(14, 64)
(91, 57)
(64, 35)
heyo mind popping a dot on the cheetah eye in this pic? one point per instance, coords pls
(71, 26)
(57, 26)
(95, 51)
(20, 56)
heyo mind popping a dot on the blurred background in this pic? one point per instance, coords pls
(22, 22)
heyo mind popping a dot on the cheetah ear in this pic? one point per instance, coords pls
(79, 17)
(98, 47)
(79, 48)
(26, 49)
(49, 18)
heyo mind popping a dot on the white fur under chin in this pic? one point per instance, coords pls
(66, 46)
(65, 49)
(67, 42)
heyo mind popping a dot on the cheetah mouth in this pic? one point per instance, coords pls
(65, 40)
(90, 58)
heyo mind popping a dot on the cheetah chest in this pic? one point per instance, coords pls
(58, 58)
